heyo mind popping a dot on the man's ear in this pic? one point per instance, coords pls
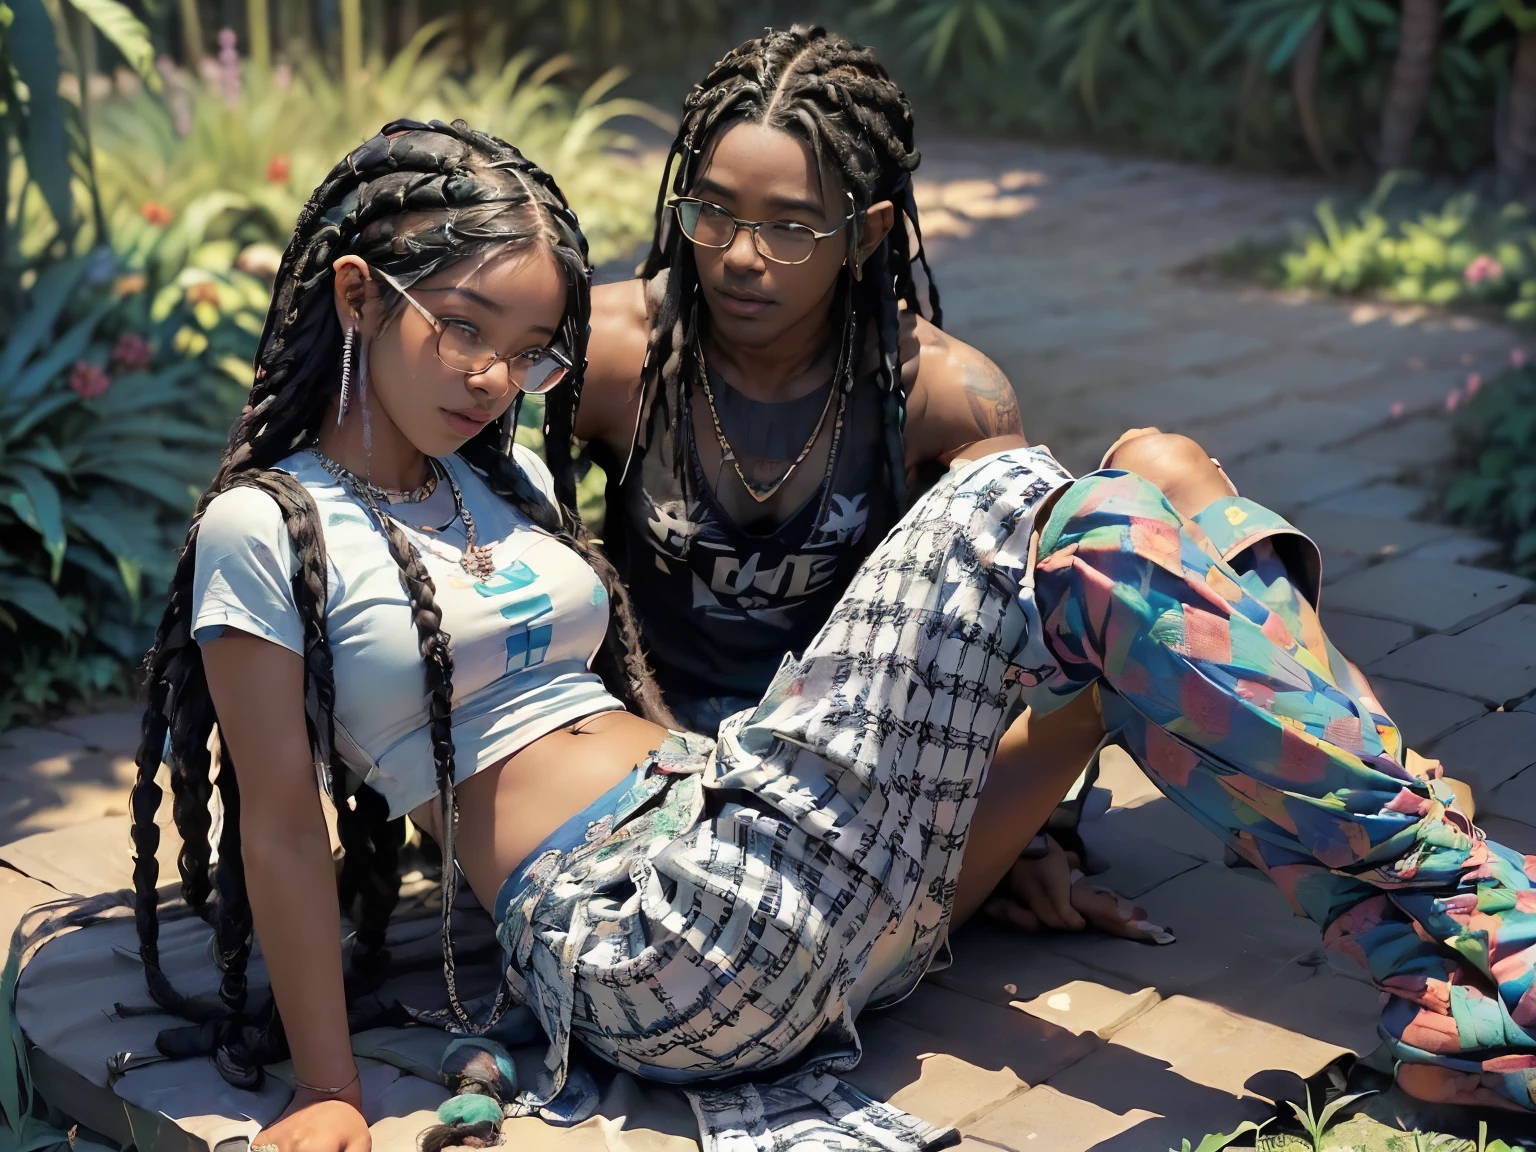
(352, 281)
(879, 219)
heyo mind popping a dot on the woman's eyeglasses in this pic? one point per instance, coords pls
(460, 347)
(711, 226)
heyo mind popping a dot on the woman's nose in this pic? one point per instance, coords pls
(494, 383)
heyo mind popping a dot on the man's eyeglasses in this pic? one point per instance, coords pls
(711, 226)
(460, 347)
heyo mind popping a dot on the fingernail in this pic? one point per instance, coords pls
(1157, 934)
(1075, 875)
(1127, 910)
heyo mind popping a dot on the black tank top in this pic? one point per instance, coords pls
(719, 606)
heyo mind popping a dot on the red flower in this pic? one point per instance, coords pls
(278, 169)
(87, 380)
(133, 353)
(156, 213)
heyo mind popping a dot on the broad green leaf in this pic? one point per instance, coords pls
(47, 300)
(1217, 1140)
(36, 502)
(1346, 31)
(46, 456)
(65, 351)
(1482, 15)
(116, 535)
(1376, 12)
(38, 411)
(39, 601)
(1295, 33)
(120, 26)
(34, 54)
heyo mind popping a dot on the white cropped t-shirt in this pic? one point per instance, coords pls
(522, 639)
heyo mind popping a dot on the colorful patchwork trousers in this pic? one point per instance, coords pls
(726, 929)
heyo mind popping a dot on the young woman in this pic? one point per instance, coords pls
(768, 396)
(687, 910)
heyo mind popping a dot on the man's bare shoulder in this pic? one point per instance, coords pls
(615, 355)
(958, 399)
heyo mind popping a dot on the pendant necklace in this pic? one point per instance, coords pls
(476, 559)
(762, 492)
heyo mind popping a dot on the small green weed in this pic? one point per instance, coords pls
(1217, 1140)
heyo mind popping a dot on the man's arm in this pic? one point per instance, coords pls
(610, 390)
(961, 406)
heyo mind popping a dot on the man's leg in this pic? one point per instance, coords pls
(1227, 691)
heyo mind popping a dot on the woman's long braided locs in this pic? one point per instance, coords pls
(411, 201)
(837, 97)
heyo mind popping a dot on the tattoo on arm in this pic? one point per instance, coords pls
(992, 400)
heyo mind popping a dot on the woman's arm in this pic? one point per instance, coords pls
(258, 693)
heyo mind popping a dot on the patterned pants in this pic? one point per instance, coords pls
(728, 934)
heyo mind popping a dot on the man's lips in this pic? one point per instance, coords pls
(737, 302)
(467, 422)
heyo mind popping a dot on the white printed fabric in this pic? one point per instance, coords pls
(720, 932)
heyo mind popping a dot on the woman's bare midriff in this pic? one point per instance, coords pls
(506, 810)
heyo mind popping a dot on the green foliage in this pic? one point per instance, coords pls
(960, 33)
(1316, 1124)
(1273, 30)
(230, 159)
(1495, 485)
(1217, 1140)
(1161, 33)
(1459, 251)
(109, 427)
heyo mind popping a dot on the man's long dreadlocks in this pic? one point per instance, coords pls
(839, 99)
(412, 201)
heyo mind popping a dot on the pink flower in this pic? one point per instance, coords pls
(132, 353)
(1517, 357)
(1398, 408)
(1484, 268)
(156, 213)
(1474, 384)
(87, 380)
(1453, 399)
(278, 169)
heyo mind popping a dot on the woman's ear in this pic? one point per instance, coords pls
(353, 280)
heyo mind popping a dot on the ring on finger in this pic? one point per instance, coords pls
(264, 1148)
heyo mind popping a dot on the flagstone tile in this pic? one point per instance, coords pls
(1430, 594)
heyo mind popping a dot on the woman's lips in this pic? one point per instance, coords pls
(465, 423)
(739, 305)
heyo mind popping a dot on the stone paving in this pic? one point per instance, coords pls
(1073, 271)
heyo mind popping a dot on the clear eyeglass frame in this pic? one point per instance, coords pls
(534, 371)
(791, 236)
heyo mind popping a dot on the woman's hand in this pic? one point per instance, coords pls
(1050, 892)
(313, 1123)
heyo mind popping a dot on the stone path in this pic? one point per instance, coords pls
(1066, 268)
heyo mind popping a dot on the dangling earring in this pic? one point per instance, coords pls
(362, 397)
(348, 350)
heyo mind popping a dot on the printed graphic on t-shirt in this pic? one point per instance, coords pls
(529, 639)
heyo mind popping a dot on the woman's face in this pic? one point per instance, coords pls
(760, 173)
(513, 301)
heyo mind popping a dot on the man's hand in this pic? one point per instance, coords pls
(1050, 892)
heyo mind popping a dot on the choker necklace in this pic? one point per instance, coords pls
(382, 495)
(476, 560)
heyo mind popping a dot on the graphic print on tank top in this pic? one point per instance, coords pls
(719, 606)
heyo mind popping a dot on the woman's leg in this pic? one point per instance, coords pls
(1230, 695)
